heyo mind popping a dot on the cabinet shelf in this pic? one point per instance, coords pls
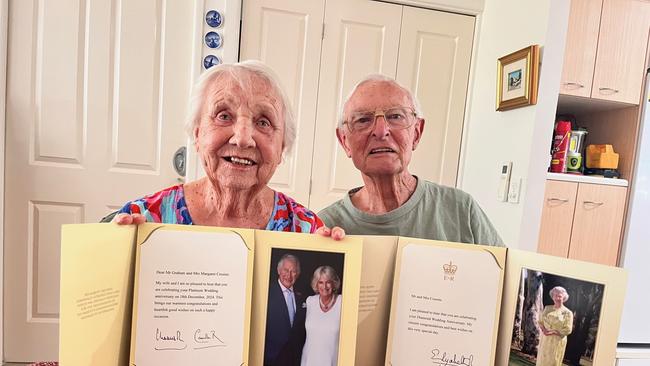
(570, 104)
(587, 179)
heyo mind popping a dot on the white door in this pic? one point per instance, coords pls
(96, 97)
(425, 50)
(435, 51)
(361, 38)
(286, 35)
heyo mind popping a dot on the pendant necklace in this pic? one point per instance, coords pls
(327, 306)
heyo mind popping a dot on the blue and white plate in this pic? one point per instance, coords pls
(211, 60)
(213, 40)
(213, 18)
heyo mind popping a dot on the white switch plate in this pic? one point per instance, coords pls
(515, 189)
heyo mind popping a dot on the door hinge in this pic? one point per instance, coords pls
(310, 181)
(322, 35)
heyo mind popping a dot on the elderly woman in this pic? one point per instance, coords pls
(241, 123)
(556, 323)
(323, 318)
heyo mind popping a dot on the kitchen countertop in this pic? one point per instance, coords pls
(587, 179)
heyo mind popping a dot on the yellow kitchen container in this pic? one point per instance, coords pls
(601, 157)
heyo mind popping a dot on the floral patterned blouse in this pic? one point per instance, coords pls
(168, 206)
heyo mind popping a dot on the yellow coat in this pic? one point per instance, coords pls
(550, 350)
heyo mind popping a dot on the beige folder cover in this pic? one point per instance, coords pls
(97, 286)
(98, 270)
(96, 290)
(374, 298)
(612, 279)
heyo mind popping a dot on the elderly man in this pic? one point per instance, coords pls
(380, 126)
(285, 316)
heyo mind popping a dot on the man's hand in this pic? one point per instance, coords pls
(335, 233)
(128, 219)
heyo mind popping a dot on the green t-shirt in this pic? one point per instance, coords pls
(433, 212)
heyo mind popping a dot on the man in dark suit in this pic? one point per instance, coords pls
(285, 316)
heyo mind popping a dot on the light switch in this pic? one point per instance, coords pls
(515, 189)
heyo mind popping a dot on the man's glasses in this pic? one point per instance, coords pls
(397, 118)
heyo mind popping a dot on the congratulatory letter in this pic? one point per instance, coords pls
(191, 298)
(447, 305)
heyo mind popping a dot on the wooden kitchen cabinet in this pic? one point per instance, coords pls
(581, 45)
(622, 45)
(597, 223)
(582, 221)
(557, 217)
(606, 49)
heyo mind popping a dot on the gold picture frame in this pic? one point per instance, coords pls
(517, 78)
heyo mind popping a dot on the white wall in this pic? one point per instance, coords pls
(521, 135)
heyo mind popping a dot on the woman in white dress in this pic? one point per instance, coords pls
(323, 319)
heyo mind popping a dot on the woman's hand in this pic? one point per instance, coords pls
(544, 330)
(550, 332)
(335, 233)
(128, 219)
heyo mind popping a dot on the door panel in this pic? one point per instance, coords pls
(557, 218)
(44, 219)
(361, 38)
(433, 62)
(96, 97)
(581, 45)
(622, 45)
(597, 223)
(286, 35)
(135, 145)
(59, 127)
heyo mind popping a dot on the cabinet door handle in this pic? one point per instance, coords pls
(593, 203)
(563, 200)
(609, 91)
(571, 83)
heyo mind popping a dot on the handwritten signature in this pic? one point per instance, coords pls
(207, 339)
(175, 342)
(442, 358)
(169, 342)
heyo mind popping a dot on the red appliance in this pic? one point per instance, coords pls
(560, 146)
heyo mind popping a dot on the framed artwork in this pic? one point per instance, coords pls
(517, 78)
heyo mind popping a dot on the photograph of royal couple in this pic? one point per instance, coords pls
(304, 308)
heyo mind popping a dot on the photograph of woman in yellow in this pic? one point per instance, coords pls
(550, 327)
(555, 323)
